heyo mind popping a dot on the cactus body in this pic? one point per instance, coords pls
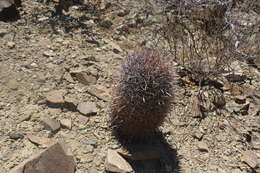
(142, 94)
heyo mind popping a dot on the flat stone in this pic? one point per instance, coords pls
(198, 134)
(237, 74)
(240, 99)
(41, 19)
(104, 5)
(88, 149)
(140, 155)
(66, 123)
(236, 77)
(106, 23)
(42, 141)
(250, 158)
(123, 13)
(16, 135)
(233, 107)
(34, 65)
(113, 46)
(25, 117)
(196, 108)
(70, 100)
(88, 58)
(248, 90)
(51, 124)
(235, 90)
(91, 142)
(90, 23)
(202, 146)
(12, 84)
(51, 160)
(3, 32)
(49, 53)
(41, 77)
(68, 77)
(83, 120)
(71, 103)
(84, 77)
(99, 92)
(254, 108)
(11, 44)
(55, 97)
(116, 163)
(87, 108)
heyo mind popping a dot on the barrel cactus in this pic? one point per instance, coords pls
(142, 94)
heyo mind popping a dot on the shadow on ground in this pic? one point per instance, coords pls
(10, 14)
(166, 162)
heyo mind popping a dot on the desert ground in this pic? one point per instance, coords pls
(49, 65)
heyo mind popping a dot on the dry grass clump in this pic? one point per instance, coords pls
(204, 36)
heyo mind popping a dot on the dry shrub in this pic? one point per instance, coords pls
(202, 36)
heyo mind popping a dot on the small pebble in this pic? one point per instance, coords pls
(15, 135)
(91, 142)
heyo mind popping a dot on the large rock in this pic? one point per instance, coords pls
(116, 163)
(54, 159)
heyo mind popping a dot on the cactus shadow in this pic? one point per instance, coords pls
(152, 155)
(10, 14)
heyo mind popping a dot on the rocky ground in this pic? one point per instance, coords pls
(56, 77)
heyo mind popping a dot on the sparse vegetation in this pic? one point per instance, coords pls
(203, 36)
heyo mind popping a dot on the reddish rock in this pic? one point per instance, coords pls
(116, 163)
(51, 160)
(51, 124)
(196, 108)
